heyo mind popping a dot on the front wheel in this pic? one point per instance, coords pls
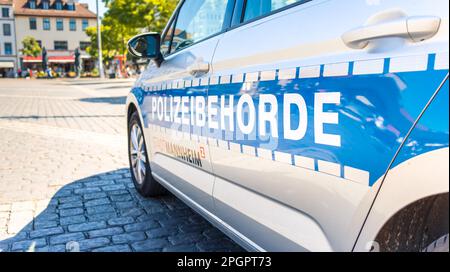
(140, 170)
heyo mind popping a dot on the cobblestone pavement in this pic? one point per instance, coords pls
(64, 182)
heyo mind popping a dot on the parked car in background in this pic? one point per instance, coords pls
(300, 125)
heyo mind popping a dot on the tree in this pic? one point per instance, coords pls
(31, 47)
(126, 18)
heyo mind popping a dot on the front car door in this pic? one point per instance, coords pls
(308, 123)
(175, 97)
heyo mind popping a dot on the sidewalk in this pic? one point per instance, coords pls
(64, 178)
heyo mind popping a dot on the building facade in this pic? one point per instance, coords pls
(8, 50)
(59, 27)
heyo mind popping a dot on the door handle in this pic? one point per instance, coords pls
(415, 29)
(199, 68)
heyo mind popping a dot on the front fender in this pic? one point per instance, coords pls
(420, 170)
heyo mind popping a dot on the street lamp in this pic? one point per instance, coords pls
(99, 43)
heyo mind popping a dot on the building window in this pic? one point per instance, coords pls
(71, 6)
(32, 4)
(40, 43)
(8, 49)
(46, 23)
(45, 5)
(60, 45)
(85, 24)
(5, 12)
(33, 24)
(73, 25)
(59, 24)
(59, 5)
(84, 45)
(6, 30)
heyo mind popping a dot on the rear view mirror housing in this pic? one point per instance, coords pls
(145, 46)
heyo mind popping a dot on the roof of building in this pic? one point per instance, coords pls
(81, 10)
(6, 2)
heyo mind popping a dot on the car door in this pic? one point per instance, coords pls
(315, 98)
(179, 153)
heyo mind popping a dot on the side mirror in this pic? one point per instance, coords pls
(146, 46)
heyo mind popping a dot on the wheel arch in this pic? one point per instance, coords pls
(405, 186)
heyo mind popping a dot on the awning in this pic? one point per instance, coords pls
(51, 59)
(6, 64)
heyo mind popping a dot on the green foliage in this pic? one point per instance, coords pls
(31, 47)
(125, 19)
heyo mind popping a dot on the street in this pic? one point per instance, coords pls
(64, 178)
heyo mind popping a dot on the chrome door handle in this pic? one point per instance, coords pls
(199, 68)
(415, 29)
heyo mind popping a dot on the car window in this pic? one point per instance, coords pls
(256, 8)
(165, 43)
(198, 19)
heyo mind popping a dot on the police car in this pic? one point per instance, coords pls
(317, 125)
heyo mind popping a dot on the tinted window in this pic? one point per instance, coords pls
(59, 24)
(198, 19)
(33, 25)
(8, 49)
(73, 25)
(84, 24)
(6, 29)
(5, 12)
(84, 45)
(60, 45)
(255, 8)
(46, 23)
(165, 41)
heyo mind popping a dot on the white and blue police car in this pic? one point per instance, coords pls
(297, 125)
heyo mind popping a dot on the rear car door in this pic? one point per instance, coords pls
(315, 98)
(176, 131)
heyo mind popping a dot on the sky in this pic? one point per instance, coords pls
(92, 5)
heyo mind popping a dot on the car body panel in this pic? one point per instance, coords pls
(274, 191)
(423, 175)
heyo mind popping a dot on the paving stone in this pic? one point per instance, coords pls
(71, 212)
(186, 238)
(150, 245)
(129, 237)
(101, 216)
(113, 187)
(45, 224)
(141, 226)
(100, 209)
(88, 190)
(28, 244)
(120, 221)
(56, 248)
(87, 226)
(114, 248)
(162, 232)
(105, 232)
(94, 195)
(97, 202)
(72, 220)
(93, 243)
(117, 192)
(125, 205)
(67, 237)
(98, 183)
(181, 248)
(46, 232)
(68, 199)
(69, 205)
(121, 198)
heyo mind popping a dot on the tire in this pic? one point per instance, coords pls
(421, 226)
(140, 170)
